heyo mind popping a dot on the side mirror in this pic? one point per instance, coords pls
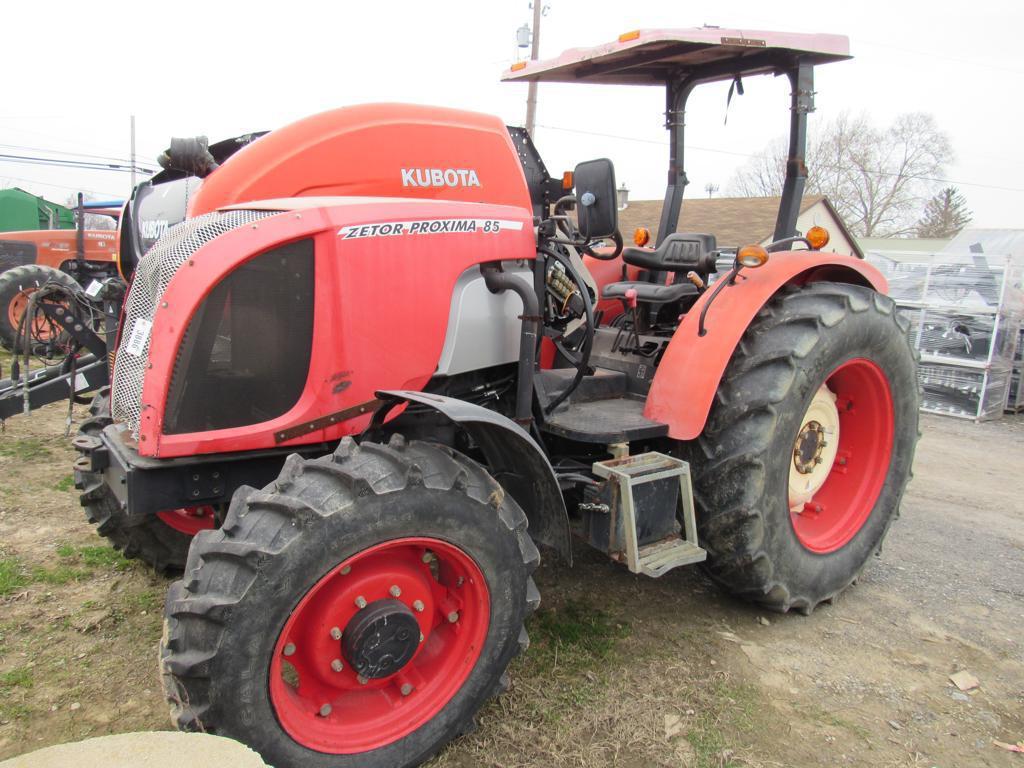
(597, 210)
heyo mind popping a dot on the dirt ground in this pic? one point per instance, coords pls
(623, 670)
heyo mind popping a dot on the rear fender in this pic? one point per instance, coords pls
(688, 376)
(513, 458)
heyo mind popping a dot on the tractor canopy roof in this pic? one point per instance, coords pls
(705, 54)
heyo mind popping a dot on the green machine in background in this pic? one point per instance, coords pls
(21, 210)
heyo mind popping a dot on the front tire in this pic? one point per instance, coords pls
(160, 540)
(262, 636)
(808, 447)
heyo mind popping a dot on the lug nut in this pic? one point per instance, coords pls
(360, 602)
(395, 591)
(325, 710)
(428, 557)
(346, 570)
(422, 638)
(337, 665)
(417, 606)
(453, 617)
(289, 649)
(406, 689)
(335, 633)
(362, 680)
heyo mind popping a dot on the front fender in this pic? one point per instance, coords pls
(513, 458)
(688, 376)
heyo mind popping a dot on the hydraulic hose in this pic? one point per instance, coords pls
(588, 341)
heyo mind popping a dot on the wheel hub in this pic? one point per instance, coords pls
(814, 450)
(809, 445)
(381, 638)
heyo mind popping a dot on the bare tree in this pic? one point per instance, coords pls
(877, 178)
(944, 215)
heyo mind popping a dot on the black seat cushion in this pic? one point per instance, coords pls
(651, 293)
(680, 252)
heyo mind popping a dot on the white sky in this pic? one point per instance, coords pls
(221, 69)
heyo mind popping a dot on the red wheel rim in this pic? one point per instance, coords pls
(844, 503)
(332, 710)
(189, 520)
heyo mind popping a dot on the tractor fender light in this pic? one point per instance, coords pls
(517, 66)
(567, 180)
(817, 237)
(752, 256)
(625, 37)
(641, 236)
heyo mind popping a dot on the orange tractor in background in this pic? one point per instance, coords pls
(71, 258)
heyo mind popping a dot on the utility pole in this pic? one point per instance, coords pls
(531, 97)
(133, 151)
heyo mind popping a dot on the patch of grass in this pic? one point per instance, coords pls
(103, 557)
(9, 710)
(66, 483)
(12, 575)
(58, 575)
(573, 636)
(19, 677)
(25, 448)
(730, 710)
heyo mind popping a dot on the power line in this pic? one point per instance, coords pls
(954, 59)
(98, 192)
(68, 154)
(755, 155)
(81, 164)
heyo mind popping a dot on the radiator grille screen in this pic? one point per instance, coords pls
(245, 354)
(152, 276)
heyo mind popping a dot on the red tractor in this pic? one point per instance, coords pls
(381, 362)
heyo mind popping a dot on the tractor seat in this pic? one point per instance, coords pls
(650, 293)
(679, 252)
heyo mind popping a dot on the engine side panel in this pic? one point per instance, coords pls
(685, 383)
(386, 272)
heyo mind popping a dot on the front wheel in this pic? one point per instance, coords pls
(357, 612)
(808, 448)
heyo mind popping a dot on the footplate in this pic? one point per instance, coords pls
(643, 485)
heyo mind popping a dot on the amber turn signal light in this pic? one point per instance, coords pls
(625, 37)
(817, 237)
(751, 256)
(567, 180)
(518, 65)
(641, 236)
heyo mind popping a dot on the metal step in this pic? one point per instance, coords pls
(672, 551)
(657, 559)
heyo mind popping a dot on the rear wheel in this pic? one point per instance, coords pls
(161, 540)
(375, 600)
(16, 285)
(808, 447)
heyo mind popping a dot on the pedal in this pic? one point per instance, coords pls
(648, 519)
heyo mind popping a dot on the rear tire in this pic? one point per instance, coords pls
(260, 594)
(17, 283)
(803, 339)
(149, 538)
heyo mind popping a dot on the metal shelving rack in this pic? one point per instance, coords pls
(965, 318)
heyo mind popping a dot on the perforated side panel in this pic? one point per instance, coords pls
(152, 276)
